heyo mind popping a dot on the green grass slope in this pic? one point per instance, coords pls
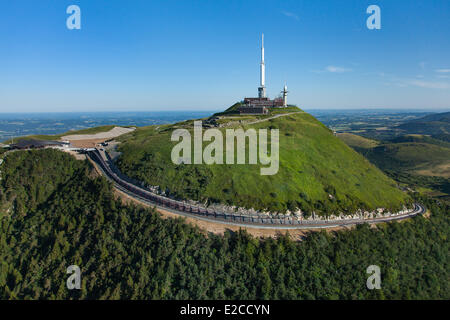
(356, 141)
(414, 157)
(421, 139)
(418, 161)
(314, 164)
(433, 124)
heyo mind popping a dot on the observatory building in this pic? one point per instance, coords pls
(261, 104)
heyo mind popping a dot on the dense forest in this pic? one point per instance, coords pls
(56, 213)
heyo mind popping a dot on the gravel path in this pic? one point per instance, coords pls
(114, 132)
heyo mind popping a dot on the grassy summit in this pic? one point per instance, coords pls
(317, 170)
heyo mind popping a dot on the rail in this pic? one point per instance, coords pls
(128, 185)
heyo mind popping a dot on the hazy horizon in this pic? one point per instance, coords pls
(19, 124)
(385, 109)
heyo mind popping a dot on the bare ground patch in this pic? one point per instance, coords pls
(113, 133)
(77, 155)
(91, 140)
(87, 143)
(441, 170)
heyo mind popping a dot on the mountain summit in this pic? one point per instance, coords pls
(317, 171)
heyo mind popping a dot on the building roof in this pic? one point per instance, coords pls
(32, 143)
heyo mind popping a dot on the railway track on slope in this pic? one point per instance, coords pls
(143, 195)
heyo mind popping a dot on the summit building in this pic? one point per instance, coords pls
(260, 104)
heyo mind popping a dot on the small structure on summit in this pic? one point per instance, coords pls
(261, 104)
(284, 92)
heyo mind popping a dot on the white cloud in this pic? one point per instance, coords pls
(443, 70)
(335, 69)
(290, 15)
(398, 82)
(430, 84)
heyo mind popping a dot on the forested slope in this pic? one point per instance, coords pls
(61, 216)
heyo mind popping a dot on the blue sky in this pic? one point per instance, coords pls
(204, 55)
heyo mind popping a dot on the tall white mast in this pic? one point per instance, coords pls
(262, 88)
(263, 69)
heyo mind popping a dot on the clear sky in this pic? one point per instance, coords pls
(204, 55)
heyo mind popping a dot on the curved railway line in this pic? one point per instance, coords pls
(126, 185)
